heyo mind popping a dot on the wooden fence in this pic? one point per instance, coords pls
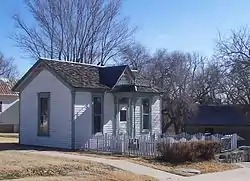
(146, 145)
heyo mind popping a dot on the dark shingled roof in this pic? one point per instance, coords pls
(5, 89)
(220, 115)
(76, 74)
(141, 80)
(110, 75)
(79, 75)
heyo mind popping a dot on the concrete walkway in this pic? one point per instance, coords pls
(241, 174)
(122, 164)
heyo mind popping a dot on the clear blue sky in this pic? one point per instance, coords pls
(187, 25)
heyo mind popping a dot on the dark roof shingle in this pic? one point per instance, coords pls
(5, 89)
(76, 74)
(110, 75)
(219, 115)
(79, 75)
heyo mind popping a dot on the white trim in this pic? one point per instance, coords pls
(65, 61)
(79, 63)
(126, 69)
(16, 95)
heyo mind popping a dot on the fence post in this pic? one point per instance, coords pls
(88, 148)
(97, 143)
(105, 142)
(234, 141)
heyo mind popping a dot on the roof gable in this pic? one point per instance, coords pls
(125, 78)
(33, 72)
(110, 75)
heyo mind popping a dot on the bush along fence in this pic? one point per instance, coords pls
(149, 145)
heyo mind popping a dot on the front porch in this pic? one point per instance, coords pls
(132, 114)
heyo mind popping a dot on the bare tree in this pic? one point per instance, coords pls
(235, 84)
(174, 72)
(207, 83)
(234, 54)
(135, 55)
(235, 47)
(88, 31)
(7, 68)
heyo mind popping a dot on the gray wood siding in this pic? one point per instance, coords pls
(124, 80)
(156, 115)
(10, 109)
(108, 113)
(137, 117)
(82, 118)
(60, 112)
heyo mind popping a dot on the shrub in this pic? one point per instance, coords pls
(188, 151)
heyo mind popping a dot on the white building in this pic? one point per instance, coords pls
(9, 108)
(63, 104)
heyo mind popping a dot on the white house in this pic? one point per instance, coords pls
(62, 104)
(9, 108)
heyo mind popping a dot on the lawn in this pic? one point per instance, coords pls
(26, 166)
(18, 165)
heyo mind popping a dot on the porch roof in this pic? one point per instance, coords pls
(135, 88)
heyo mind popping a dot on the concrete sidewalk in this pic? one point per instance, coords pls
(240, 174)
(122, 164)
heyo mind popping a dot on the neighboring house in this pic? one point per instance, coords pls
(63, 104)
(9, 108)
(222, 119)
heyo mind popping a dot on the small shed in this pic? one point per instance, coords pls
(221, 119)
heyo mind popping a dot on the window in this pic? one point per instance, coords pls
(1, 106)
(209, 130)
(97, 113)
(123, 115)
(43, 113)
(145, 114)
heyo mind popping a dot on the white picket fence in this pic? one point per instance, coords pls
(146, 145)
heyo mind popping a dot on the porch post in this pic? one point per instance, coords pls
(134, 102)
(115, 117)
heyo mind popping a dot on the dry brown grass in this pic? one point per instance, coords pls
(204, 167)
(25, 166)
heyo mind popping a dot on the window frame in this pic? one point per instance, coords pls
(209, 130)
(40, 96)
(125, 115)
(146, 114)
(1, 106)
(97, 114)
